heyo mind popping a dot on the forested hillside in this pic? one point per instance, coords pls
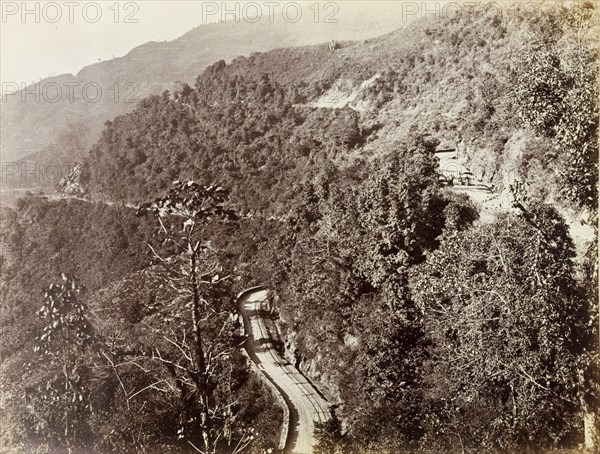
(471, 82)
(312, 171)
(35, 118)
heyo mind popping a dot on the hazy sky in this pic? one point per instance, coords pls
(50, 38)
(31, 50)
(47, 38)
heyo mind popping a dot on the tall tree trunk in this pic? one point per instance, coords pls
(200, 360)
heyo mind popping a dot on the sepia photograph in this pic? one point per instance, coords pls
(299, 227)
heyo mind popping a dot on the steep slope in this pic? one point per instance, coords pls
(260, 123)
(103, 90)
(330, 159)
(274, 117)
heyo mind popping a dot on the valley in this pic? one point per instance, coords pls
(377, 237)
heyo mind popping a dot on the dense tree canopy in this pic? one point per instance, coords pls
(430, 329)
(507, 326)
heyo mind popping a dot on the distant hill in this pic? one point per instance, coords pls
(36, 129)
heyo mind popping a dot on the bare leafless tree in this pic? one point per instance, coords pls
(195, 330)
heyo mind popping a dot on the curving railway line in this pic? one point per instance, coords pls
(306, 405)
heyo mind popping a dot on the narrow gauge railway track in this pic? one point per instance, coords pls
(306, 405)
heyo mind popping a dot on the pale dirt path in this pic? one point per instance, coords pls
(306, 405)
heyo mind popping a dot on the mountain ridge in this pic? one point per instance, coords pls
(29, 127)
